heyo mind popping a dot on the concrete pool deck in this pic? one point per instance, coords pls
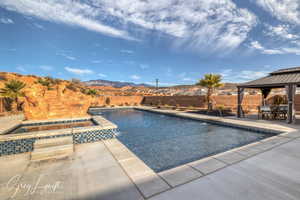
(268, 169)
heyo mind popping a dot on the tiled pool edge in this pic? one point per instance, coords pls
(24, 142)
(246, 125)
(189, 172)
(180, 175)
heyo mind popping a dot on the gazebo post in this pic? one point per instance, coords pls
(290, 89)
(240, 99)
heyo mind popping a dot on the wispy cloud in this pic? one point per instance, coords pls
(144, 66)
(287, 10)
(135, 77)
(282, 31)
(66, 55)
(273, 51)
(6, 21)
(102, 75)
(39, 26)
(96, 61)
(46, 67)
(194, 23)
(235, 76)
(183, 77)
(73, 13)
(78, 71)
(21, 69)
(127, 51)
(169, 71)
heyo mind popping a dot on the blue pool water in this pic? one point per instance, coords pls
(163, 141)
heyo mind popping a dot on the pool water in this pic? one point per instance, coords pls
(164, 142)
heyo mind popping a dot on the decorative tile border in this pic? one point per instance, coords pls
(23, 142)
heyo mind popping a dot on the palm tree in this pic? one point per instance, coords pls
(13, 90)
(210, 81)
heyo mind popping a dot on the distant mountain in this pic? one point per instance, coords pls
(116, 84)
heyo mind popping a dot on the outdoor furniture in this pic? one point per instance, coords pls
(288, 79)
(280, 112)
(264, 112)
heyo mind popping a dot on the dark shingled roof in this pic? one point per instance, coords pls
(277, 78)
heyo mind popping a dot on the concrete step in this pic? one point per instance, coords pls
(54, 152)
(44, 143)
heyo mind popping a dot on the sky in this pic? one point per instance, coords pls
(176, 41)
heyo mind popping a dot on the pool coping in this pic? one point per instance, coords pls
(100, 124)
(151, 183)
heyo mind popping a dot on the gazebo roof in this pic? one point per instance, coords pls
(275, 79)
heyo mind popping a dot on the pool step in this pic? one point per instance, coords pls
(43, 143)
(51, 149)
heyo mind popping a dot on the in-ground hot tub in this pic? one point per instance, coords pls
(56, 125)
(20, 139)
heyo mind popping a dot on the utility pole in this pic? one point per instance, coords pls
(156, 83)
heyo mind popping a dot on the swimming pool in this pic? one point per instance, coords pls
(164, 141)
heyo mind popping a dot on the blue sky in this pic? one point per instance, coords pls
(176, 41)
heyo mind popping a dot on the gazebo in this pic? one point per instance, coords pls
(288, 78)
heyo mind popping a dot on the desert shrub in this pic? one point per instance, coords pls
(135, 104)
(112, 106)
(220, 107)
(121, 104)
(91, 92)
(190, 107)
(126, 104)
(72, 86)
(45, 82)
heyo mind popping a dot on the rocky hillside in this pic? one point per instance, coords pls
(47, 98)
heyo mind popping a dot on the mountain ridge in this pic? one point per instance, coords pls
(117, 84)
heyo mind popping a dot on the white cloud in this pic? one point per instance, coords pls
(73, 13)
(46, 67)
(281, 50)
(282, 30)
(78, 71)
(285, 10)
(6, 21)
(256, 45)
(235, 76)
(127, 51)
(135, 77)
(218, 24)
(102, 75)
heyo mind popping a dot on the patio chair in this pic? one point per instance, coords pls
(280, 112)
(264, 112)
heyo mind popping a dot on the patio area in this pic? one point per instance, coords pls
(267, 169)
(282, 109)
